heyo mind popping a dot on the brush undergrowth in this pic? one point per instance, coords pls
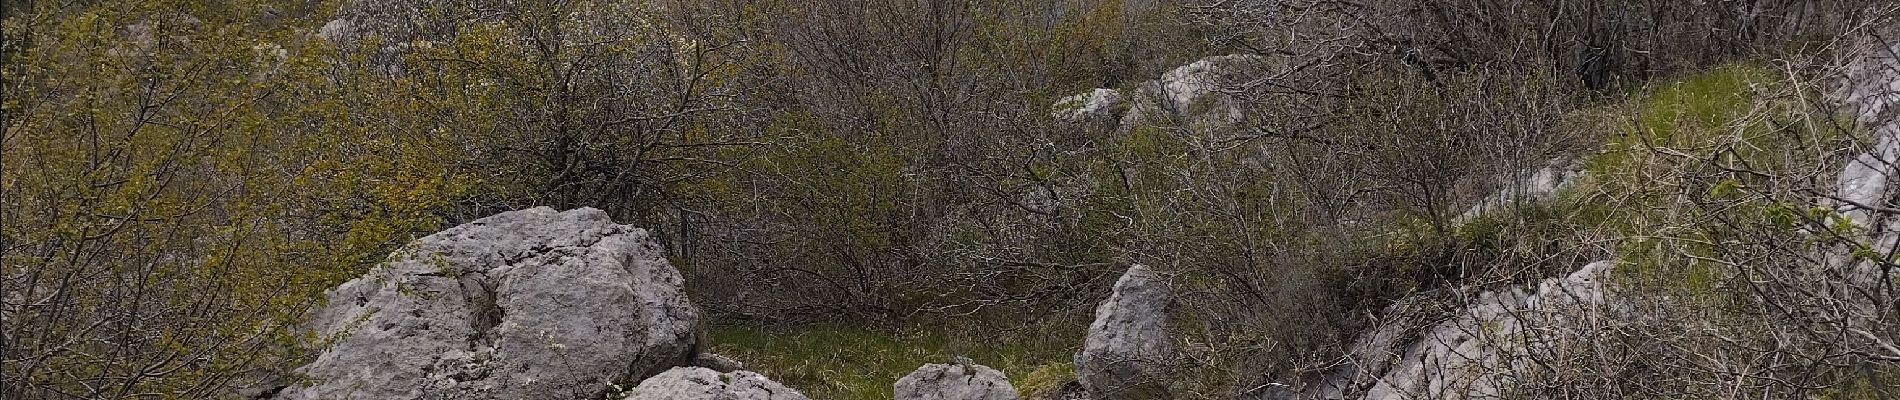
(851, 362)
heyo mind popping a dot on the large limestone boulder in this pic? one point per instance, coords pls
(524, 304)
(694, 383)
(1187, 87)
(962, 381)
(1129, 349)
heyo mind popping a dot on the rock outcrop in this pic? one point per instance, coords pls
(1478, 353)
(1129, 349)
(1539, 185)
(1492, 344)
(1870, 93)
(960, 381)
(1192, 94)
(524, 304)
(1188, 86)
(1097, 110)
(694, 383)
(1866, 197)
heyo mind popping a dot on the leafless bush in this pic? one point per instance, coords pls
(1388, 114)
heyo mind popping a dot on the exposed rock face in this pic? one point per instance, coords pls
(1479, 353)
(955, 382)
(388, 29)
(1493, 342)
(694, 383)
(1129, 349)
(1865, 194)
(523, 304)
(1870, 93)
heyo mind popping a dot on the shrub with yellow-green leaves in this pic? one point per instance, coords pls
(180, 180)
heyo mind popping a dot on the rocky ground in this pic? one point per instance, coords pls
(540, 303)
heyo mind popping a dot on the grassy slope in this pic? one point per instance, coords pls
(1743, 114)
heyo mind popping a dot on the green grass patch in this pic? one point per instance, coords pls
(846, 362)
(1692, 116)
(1701, 102)
(1656, 187)
(1865, 381)
(1687, 116)
(1689, 113)
(1046, 379)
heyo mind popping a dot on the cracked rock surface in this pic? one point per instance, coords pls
(1129, 351)
(524, 304)
(1483, 351)
(955, 382)
(695, 383)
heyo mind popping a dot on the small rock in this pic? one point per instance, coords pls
(1540, 185)
(1128, 348)
(1098, 104)
(961, 381)
(695, 383)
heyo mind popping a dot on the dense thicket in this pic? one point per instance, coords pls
(181, 178)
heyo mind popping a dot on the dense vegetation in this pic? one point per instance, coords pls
(183, 178)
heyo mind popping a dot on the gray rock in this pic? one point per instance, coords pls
(523, 304)
(694, 383)
(1145, 107)
(1192, 95)
(1096, 110)
(1871, 89)
(1187, 86)
(955, 382)
(1129, 350)
(1480, 352)
(338, 30)
(1540, 185)
(1865, 192)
